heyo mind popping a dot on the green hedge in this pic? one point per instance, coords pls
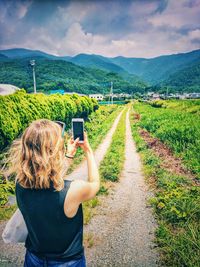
(18, 110)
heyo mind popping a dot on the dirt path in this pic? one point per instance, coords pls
(123, 229)
(13, 255)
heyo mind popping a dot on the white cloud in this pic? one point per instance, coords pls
(177, 14)
(194, 34)
(65, 33)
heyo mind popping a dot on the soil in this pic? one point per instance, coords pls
(169, 161)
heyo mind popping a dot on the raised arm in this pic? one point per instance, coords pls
(80, 190)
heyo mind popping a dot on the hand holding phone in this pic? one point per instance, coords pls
(71, 147)
(85, 145)
(78, 129)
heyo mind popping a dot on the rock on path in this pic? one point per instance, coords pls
(123, 229)
(12, 255)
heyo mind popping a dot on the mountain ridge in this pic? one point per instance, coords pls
(157, 71)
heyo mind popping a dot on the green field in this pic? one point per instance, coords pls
(177, 124)
(173, 123)
(176, 196)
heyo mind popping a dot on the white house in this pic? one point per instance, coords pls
(97, 96)
(7, 89)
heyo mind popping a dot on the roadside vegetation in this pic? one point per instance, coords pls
(176, 200)
(111, 165)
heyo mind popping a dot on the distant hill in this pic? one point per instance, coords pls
(157, 69)
(154, 72)
(60, 74)
(23, 53)
(3, 57)
(185, 80)
(97, 62)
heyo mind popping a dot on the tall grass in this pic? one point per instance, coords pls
(176, 204)
(179, 130)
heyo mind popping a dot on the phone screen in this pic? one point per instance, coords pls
(78, 130)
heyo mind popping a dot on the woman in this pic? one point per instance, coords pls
(51, 204)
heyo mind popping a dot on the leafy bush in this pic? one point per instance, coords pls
(18, 110)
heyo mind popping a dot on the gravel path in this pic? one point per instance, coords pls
(13, 255)
(123, 230)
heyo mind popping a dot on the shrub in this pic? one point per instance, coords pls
(18, 110)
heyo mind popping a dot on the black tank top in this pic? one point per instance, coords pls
(51, 234)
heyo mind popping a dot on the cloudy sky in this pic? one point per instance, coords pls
(131, 28)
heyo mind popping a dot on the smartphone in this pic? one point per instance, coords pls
(78, 129)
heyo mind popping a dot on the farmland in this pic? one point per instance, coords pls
(167, 134)
(167, 137)
(177, 124)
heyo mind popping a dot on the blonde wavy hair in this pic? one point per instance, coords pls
(38, 157)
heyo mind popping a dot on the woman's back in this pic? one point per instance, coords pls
(52, 211)
(50, 233)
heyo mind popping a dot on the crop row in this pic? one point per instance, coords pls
(176, 203)
(179, 130)
(19, 109)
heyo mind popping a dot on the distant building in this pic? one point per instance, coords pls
(71, 93)
(194, 95)
(62, 92)
(97, 96)
(7, 89)
(155, 96)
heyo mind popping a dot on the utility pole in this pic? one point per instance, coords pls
(167, 93)
(111, 93)
(32, 62)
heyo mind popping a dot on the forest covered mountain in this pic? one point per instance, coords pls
(59, 74)
(157, 69)
(93, 73)
(188, 77)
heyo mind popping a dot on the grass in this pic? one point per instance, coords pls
(89, 209)
(88, 240)
(176, 204)
(7, 211)
(112, 164)
(178, 129)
